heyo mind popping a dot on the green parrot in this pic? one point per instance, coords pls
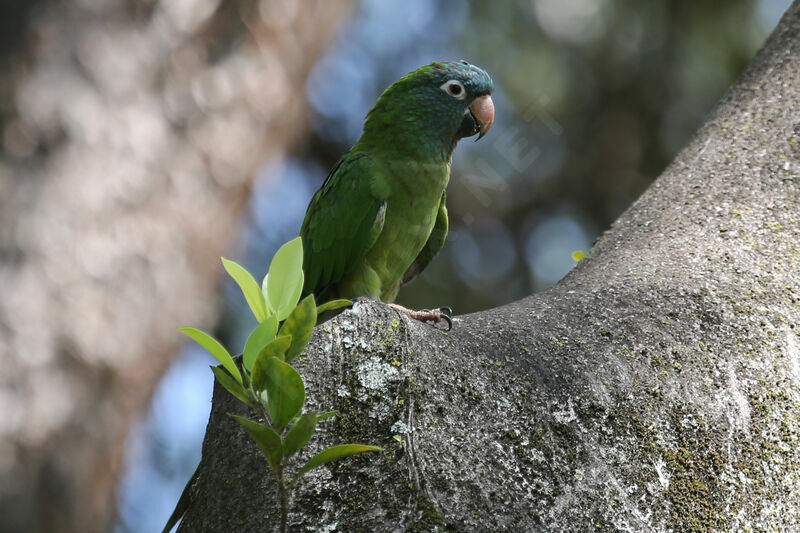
(380, 216)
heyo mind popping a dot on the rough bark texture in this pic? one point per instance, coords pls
(655, 388)
(131, 134)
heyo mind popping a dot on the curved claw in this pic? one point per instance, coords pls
(446, 314)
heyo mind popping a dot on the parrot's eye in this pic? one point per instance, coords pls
(454, 88)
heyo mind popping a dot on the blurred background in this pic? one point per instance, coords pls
(242, 108)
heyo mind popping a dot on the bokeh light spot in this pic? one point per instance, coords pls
(549, 247)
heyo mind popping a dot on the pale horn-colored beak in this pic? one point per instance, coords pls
(483, 111)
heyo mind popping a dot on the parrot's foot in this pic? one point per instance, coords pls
(443, 314)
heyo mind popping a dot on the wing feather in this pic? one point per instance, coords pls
(343, 221)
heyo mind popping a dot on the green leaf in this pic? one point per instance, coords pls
(294, 297)
(300, 325)
(216, 349)
(578, 255)
(326, 414)
(267, 439)
(285, 278)
(333, 304)
(260, 337)
(250, 288)
(285, 389)
(331, 454)
(275, 348)
(299, 433)
(231, 385)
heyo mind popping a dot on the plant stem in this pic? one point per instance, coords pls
(284, 499)
(280, 476)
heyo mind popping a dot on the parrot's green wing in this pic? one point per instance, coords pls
(432, 246)
(343, 221)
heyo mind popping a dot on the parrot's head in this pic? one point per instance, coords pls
(461, 93)
(437, 104)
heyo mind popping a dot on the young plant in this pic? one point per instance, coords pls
(266, 381)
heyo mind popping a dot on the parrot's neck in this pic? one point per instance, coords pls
(401, 144)
(401, 133)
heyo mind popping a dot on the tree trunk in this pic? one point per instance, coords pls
(655, 388)
(131, 134)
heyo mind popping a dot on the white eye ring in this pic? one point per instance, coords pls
(454, 88)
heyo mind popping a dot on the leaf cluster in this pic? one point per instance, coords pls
(266, 381)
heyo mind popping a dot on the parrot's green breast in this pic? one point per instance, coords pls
(411, 209)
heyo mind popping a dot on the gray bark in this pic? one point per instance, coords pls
(131, 134)
(655, 388)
